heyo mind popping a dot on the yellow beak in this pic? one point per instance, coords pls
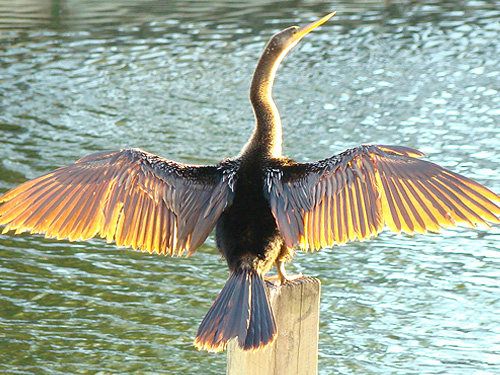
(307, 29)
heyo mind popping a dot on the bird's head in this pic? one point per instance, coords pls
(285, 40)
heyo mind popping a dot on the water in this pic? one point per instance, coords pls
(173, 78)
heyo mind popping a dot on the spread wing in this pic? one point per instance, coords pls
(355, 194)
(132, 197)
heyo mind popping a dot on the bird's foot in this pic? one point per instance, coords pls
(274, 280)
(293, 277)
(278, 280)
(282, 276)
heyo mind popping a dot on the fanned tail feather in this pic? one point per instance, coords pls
(241, 310)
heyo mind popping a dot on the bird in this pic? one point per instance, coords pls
(262, 204)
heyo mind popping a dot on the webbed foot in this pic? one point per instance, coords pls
(282, 276)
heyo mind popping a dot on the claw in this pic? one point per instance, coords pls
(274, 279)
(283, 277)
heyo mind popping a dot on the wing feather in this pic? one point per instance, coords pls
(30, 203)
(353, 195)
(412, 207)
(132, 197)
(402, 211)
(351, 212)
(359, 209)
(341, 217)
(389, 212)
(465, 193)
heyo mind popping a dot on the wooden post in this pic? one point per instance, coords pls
(295, 351)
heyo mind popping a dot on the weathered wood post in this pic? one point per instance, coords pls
(295, 351)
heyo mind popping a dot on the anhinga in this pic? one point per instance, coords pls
(261, 204)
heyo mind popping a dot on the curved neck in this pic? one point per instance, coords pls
(267, 135)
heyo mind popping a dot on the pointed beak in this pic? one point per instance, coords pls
(307, 29)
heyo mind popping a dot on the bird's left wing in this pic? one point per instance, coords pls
(135, 198)
(355, 194)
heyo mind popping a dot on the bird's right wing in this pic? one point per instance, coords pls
(138, 199)
(355, 194)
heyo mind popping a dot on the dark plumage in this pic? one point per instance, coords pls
(262, 204)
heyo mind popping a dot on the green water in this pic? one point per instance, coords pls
(173, 78)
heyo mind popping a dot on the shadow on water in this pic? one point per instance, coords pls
(172, 78)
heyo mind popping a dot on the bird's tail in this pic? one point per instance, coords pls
(241, 310)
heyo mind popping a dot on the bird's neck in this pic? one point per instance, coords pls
(267, 135)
